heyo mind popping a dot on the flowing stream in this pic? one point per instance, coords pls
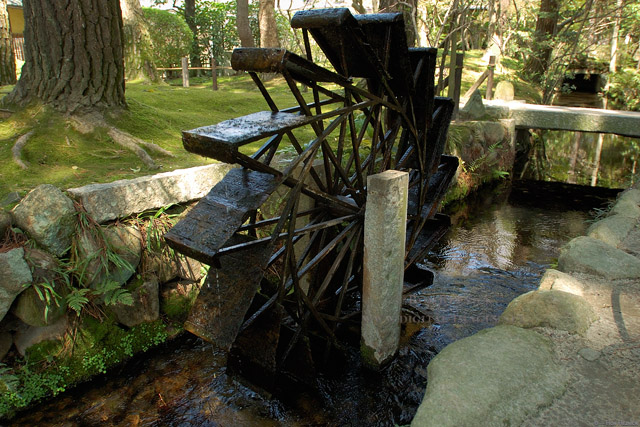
(500, 244)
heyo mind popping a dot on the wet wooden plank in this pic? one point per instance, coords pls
(222, 141)
(216, 217)
(224, 299)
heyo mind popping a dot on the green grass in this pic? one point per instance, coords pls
(57, 154)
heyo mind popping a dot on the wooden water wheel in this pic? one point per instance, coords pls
(301, 265)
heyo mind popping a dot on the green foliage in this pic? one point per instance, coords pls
(170, 35)
(47, 294)
(624, 90)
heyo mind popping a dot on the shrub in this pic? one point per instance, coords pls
(171, 37)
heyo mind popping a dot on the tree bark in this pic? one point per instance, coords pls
(242, 21)
(268, 26)
(73, 55)
(546, 27)
(7, 58)
(137, 43)
(190, 17)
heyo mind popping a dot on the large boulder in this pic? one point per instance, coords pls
(495, 377)
(166, 266)
(15, 276)
(6, 341)
(626, 207)
(588, 255)
(23, 339)
(559, 281)
(29, 306)
(612, 230)
(554, 309)
(632, 195)
(145, 307)
(125, 242)
(48, 217)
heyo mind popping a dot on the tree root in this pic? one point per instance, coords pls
(16, 150)
(87, 124)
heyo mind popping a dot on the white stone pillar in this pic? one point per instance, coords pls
(384, 246)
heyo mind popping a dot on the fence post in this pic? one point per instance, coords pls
(455, 77)
(491, 68)
(185, 71)
(214, 74)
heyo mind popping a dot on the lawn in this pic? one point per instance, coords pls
(57, 154)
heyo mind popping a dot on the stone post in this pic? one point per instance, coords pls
(384, 246)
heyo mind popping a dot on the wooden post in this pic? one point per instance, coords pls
(214, 74)
(185, 71)
(457, 79)
(491, 69)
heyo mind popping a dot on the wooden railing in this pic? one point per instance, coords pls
(185, 71)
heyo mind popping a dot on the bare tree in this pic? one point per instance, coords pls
(242, 21)
(268, 26)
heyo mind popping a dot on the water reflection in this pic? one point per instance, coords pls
(490, 256)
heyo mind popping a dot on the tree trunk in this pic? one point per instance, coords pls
(137, 43)
(546, 26)
(614, 37)
(242, 21)
(69, 64)
(7, 59)
(190, 17)
(268, 26)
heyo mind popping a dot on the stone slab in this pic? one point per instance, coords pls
(119, 199)
(553, 117)
(496, 377)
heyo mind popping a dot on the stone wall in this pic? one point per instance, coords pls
(91, 241)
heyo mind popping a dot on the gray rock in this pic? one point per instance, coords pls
(15, 275)
(29, 307)
(627, 208)
(632, 195)
(592, 256)
(554, 309)
(11, 198)
(5, 222)
(611, 230)
(496, 377)
(493, 132)
(145, 308)
(559, 281)
(24, 339)
(6, 341)
(474, 108)
(504, 91)
(589, 354)
(119, 199)
(124, 241)
(168, 267)
(48, 216)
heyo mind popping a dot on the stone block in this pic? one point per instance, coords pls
(384, 247)
(119, 199)
(23, 339)
(495, 377)
(591, 256)
(145, 308)
(48, 217)
(15, 275)
(553, 309)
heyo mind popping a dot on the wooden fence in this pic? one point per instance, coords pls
(185, 71)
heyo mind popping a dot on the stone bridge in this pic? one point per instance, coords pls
(552, 117)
